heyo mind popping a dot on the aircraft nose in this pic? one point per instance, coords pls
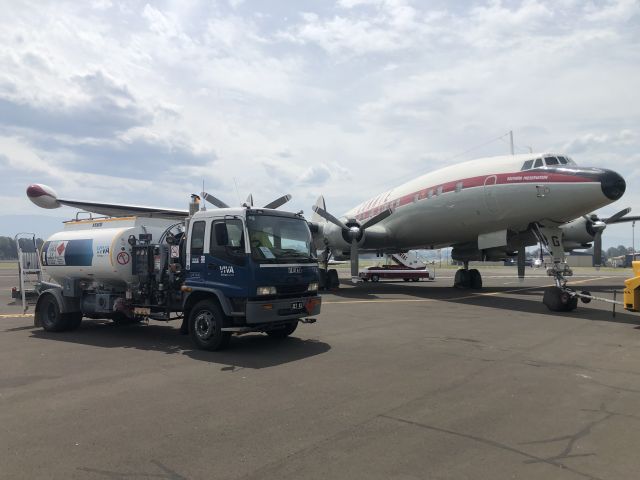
(612, 184)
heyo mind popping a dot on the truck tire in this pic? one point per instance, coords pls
(375, 278)
(51, 319)
(283, 332)
(205, 326)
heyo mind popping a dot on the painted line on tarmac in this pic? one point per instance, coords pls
(466, 297)
(17, 315)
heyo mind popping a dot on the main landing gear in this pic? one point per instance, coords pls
(328, 277)
(466, 278)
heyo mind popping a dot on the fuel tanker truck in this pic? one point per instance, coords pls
(222, 271)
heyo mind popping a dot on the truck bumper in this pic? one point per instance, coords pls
(278, 310)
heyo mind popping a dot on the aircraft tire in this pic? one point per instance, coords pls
(475, 279)
(205, 326)
(557, 300)
(332, 279)
(462, 279)
(283, 332)
(323, 280)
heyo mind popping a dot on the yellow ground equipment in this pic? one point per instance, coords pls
(632, 290)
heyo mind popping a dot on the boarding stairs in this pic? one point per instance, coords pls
(409, 259)
(29, 269)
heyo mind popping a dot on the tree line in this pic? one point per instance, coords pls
(8, 250)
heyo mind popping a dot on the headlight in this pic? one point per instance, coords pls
(266, 291)
(313, 287)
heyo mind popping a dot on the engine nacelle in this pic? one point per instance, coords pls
(579, 233)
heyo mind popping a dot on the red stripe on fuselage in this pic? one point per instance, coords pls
(471, 182)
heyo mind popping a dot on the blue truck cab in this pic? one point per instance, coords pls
(247, 269)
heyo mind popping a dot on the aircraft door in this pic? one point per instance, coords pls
(490, 194)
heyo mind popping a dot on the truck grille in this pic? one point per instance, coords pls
(291, 289)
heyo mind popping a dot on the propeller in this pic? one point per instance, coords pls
(598, 226)
(353, 231)
(278, 202)
(216, 202)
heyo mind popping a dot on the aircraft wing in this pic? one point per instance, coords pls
(45, 197)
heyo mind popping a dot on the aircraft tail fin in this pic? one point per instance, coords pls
(315, 217)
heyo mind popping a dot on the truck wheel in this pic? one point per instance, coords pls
(406, 279)
(284, 331)
(415, 279)
(50, 317)
(205, 326)
(375, 278)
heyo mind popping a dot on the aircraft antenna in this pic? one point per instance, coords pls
(203, 204)
(511, 142)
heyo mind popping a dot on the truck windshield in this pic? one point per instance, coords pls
(279, 239)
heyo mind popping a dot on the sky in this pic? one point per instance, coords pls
(140, 102)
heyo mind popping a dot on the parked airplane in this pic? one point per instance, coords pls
(486, 209)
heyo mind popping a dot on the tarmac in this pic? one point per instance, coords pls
(394, 381)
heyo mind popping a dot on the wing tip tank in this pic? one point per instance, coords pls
(43, 196)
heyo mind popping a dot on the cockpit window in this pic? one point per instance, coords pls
(538, 163)
(562, 160)
(551, 160)
(527, 165)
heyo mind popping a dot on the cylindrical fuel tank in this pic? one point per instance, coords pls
(97, 251)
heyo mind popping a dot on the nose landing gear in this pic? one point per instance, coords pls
(558, 298)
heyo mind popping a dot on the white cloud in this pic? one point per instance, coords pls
(341, 99)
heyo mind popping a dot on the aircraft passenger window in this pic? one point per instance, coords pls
(527, 165)
(538, 163)
(562, 160)
(551, 160)
(197, 238)
(439, 190)
(459, 187)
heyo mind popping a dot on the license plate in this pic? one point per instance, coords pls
(297, 306)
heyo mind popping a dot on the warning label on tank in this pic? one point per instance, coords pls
(55, 253)
(68, 253)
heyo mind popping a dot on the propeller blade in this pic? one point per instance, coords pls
(278, 202)
(249, 201)
(625, 219)
(521, 265)
(617, 216)
(354, 261)
(597, 249)
(216, 202)
(378, 218)
(330, 218)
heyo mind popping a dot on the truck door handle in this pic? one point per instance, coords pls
(211, 266)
